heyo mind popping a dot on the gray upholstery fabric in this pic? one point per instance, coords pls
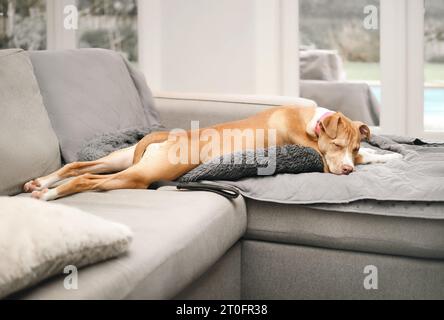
(176, 113)
(145, 94)
(324, 65)
(279, 271)
(408, 209)
(178, 236)
(89, 92)
(221, 282)
(28, 144)
(300, 225)
(355, 100)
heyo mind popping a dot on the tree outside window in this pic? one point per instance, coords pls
(109, 24)
(23, 24)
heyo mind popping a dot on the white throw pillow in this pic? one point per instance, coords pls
(38, 240)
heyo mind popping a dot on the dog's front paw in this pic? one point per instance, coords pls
(385, 158)
(394, 156)
(32, 186)
(369, 150)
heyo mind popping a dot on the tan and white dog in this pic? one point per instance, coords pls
(334, 136)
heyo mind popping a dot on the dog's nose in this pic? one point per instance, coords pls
(346, 169)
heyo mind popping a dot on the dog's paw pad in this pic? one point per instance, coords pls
(40, 195)
(32, 186)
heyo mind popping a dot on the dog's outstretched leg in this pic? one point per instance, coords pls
(115, 162)
(128, 179)
(154, 166)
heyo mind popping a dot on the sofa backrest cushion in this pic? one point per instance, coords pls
(28, 144)
(89, 92)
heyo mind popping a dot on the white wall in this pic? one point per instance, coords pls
(208, 46)
(212, 46)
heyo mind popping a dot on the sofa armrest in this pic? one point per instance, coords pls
(177, 110)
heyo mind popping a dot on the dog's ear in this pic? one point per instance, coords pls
(330, 125)
(364, 130)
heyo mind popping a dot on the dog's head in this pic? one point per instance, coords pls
(339, 142)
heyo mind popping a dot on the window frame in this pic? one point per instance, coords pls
(58, 38)
(408, 36)
(402, 68)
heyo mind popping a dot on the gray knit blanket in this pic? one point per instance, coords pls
(232, 167)
(105, 144)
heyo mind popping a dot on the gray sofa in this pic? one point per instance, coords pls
(197, 245)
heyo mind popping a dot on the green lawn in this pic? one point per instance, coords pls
(434, 72)
(371, 71)
(362, 71)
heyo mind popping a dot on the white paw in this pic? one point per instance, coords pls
(382, 158)
(368, 151)
(32, 186)
(394, 156)
(45, 195)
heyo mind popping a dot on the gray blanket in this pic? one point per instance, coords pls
(419, 176)
(232, 167)
(105, 144)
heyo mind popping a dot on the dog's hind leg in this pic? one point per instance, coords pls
(115, 162)
(154, 166)
(130, 178)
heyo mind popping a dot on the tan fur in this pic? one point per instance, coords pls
(144, 166)
(341, 136)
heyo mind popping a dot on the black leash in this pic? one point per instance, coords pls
(225, 191)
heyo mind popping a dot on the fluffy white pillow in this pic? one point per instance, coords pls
(38, 240)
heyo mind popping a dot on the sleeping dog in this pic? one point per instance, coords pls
(170, 155)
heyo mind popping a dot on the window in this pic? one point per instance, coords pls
(340, 42)
(23, 24)
(108, 24)
(338, 26)
(434, 66)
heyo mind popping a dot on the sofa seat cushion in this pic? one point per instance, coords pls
(177, 237)
(384, 233)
